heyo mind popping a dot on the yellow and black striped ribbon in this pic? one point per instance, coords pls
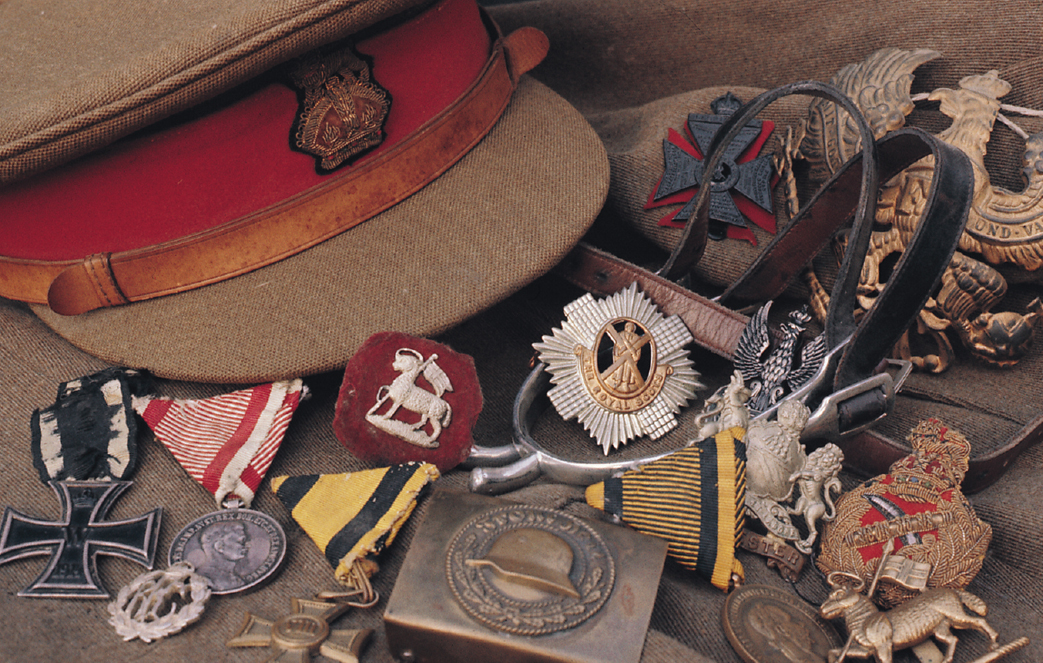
(354, 515)
(694, 499)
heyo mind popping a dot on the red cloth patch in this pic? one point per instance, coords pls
(404, 399)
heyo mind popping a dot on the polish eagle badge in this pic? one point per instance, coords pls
(619, 367)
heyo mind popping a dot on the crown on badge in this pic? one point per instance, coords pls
(988, 84)
(343, 111)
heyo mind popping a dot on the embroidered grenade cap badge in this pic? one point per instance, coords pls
(619, 367)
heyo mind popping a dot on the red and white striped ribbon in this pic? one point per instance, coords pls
(226, 442)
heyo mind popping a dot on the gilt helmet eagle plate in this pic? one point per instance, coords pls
(343, 110)
(619, 367)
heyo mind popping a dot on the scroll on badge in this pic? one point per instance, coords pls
(619, 367)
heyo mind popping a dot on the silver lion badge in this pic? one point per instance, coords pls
(619, 367)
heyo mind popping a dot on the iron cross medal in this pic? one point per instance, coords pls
(77, 538)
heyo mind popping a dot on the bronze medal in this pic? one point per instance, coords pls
(767, 624)
(303, 632)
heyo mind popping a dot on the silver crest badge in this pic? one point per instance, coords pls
(160, 603)
(619, 367)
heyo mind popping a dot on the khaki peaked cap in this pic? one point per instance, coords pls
(483, 221)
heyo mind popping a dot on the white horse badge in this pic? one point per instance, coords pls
(403, 392)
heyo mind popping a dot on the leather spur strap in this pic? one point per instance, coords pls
(850, 193)
(266, 237)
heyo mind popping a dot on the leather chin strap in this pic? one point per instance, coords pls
(857, 350)
(344, 201)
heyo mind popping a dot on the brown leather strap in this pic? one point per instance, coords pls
(344, 201)
(718, 329)
(714, 327)
(871, 452)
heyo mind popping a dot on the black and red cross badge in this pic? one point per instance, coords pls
(741, 187)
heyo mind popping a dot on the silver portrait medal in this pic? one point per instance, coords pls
(234, 548)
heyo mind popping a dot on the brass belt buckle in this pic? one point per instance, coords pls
(490, 580)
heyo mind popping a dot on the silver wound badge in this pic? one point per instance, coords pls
(159, 603)
(619, 367)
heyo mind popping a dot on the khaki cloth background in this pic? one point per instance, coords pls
(620, 63)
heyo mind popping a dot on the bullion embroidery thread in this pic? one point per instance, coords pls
(343, 111)
(918, 508)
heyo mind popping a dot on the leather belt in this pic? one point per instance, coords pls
(852, 390)
(260, 239)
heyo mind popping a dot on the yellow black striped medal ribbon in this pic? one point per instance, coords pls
(694, 499)
(352, 517)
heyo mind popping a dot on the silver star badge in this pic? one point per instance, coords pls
(619, 367)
